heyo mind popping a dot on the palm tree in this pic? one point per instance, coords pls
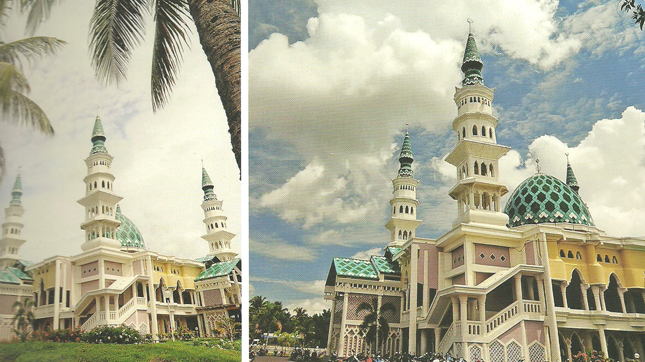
(23, 319)
(374, 323)
(15, 106)
(117, 27)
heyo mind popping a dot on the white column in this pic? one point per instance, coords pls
(621, 295)
(596, 296)
(563, 288)
(550, 319)
(331, 326)
(412, 345)
(583, 289)
(343, 322)
(482, 313)
(426, 282)
(603, 340)
(463, 316)
(152, 305)
(57, 277)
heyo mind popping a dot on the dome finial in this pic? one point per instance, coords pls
(405, 157)
(470, 25)
(16, 192)
(472, 63)
(207, 186)
(537, 164)
(98, 137)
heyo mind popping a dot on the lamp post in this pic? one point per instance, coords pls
(167, 295)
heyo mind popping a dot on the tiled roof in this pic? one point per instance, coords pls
(393, 249)
(383, 265)
(355, 268)
(127, 233)
(8, 277)
(218, 269)
(204, 259)
(20, 274)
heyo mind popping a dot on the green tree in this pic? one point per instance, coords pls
(320, 327)
(226, 326)
(15, 106)
(375, 324)
(118, 26)
(637, 11)
(23, 318)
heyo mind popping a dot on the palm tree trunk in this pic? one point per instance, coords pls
(218, 26)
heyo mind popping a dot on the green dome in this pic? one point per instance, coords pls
(128, 234)
(545, 199)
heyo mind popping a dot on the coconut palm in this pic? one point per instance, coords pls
(117, 27)
(23, 319)
(375, 324)
(15, 106)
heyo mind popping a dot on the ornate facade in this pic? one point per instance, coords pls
(532, 281)
(116, 280)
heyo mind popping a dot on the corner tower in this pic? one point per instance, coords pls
(100, 201)
(403, 214)
(217, 234)
(476, 156)
(12, 228)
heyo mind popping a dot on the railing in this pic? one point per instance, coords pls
(446, 338)
(126, 307)
(501, 317)
(474, 328)
(531, 306)
(142, 301)
(93, 321)
(44, 311)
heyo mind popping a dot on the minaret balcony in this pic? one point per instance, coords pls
(480, 216)
(478, 183)
(103, 219)
(472, 148)
(94, 197)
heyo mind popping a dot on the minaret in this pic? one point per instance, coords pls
(403, 214)
(12, 228)
(476, 156)
(99, 201)
(217, 235)
(571, 177)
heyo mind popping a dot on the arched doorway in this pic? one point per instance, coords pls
(612, 299)
(574, 293)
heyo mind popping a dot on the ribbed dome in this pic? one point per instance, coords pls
(128, 234)
(545, 199)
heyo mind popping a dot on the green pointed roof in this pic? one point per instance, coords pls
(207, 186)
(545, 199)
(472, 63)
(571, 178)
(16, 193)
(127, 233)
(218, 269)
(355, 268)
(98, 137)
(406, 158)
(384, 265)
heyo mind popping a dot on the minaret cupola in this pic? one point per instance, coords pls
(403, 213)
(12, 228)
(100, 201)
(217, 234)
(572, 182)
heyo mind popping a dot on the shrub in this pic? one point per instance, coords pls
(119, 335)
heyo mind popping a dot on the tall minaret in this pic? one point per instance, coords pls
(476, 156)
(12, 228)
(99, 201)
(217, 235)
(403, 214)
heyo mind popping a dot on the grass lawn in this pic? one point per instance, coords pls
(157, 352)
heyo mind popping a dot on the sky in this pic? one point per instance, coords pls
(333, 85)
(157, 156)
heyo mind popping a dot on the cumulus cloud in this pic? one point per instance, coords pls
(310, 287)
(312, 306)
(278, 249)
(366, 254)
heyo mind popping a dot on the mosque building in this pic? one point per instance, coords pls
(116, 280)
(533, 281)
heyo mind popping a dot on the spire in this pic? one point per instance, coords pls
(98, 137)
(571, 177)
(472, 64)
(207, 186)
(406, 158)
(16, 193)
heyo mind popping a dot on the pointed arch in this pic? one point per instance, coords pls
(463, 132)
(490, 132)
(575, 299)
(483, 131)
(612, 298)
(490, 168)
(476, 168)
(483, 169)
(576, 344)
(474, 130)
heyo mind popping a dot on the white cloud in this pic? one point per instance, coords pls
(366, 254)
(312, 306)
(310, 286)
(278, 249)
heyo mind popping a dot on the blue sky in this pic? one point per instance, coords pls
(333, 84)
(157, 157)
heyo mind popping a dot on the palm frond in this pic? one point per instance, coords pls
(171, 35)
(39, 11)
(116, 28)
(29, 49)
(12, 79)
(18, 108)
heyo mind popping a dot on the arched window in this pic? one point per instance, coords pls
(614, 260)
(401, 209)
(476, 168)
(405, 235)
(400, 233)
(599, 258)
(570, 255)
(103, 184)
(490, 167)
(562, 253)
(578, 256)
(407, 210)
(606, 258)
(394, 210)
(474, 130)
(95, 184)
(490, 132)
(463, 132)
(411, 210)
(483, 131)
(483, 167)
